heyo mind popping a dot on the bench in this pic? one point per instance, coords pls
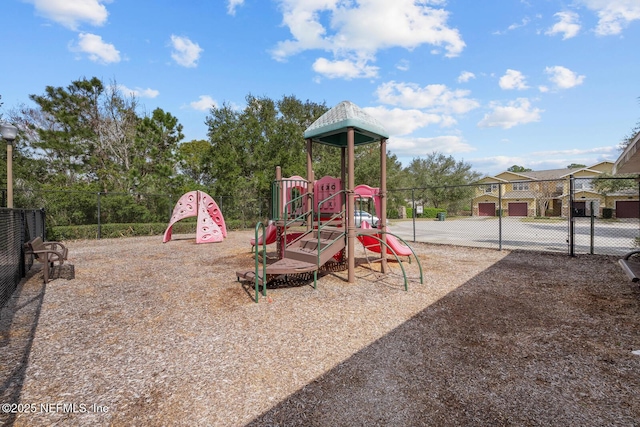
(631, 267)
(49, 254)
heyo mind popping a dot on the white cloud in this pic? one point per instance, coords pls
(435, 98)
(515, 26)
(358, 30)
(568, 25)
(232, 5)
(344, 69)
(465, 76)
(513, 79)
(515, 113)
(563, 78)
(185, 52)
(138, 92)
(613, 15)
(70, 13)
(543, 160)
(496, 164)
(578, 151)
(96, 49)
(403, 65)
(421, 147)
(398, 121)
(204, 103)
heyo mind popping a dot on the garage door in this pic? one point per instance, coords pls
(486, 209)
(627, 209)
(518, 209)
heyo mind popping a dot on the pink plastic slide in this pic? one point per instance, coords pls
(393, 243)
(271, 231)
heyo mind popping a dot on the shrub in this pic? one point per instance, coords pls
(426, 212)
(107, 231)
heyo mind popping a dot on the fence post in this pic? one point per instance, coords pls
(413, 213)
(499, 217)
(44, 223)
(23, 238)
(593, 218)
(99, 222)
(571, 218)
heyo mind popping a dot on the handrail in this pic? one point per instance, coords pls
(301, 217)
(259, 226)
(334, 216)
(404, 274)
(404, 242)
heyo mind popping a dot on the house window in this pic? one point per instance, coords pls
(493, 188)
(583, 184)
(520, 186)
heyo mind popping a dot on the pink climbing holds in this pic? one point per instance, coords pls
(210, 226)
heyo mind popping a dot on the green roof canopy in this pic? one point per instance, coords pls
(331, 128)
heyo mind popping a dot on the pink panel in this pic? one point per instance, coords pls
(214, 211)
(186, 207)
(365, 192)
(324, 188)
(290, 184)
(207, 230)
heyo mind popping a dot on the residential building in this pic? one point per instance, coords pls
(546, 193)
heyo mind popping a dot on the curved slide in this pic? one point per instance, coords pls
(393, 243)
(270, 232)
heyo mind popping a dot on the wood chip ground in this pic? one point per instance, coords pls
(153, 334)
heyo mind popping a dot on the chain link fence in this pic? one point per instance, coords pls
(17, 226)
(70, 208)
(572, 215)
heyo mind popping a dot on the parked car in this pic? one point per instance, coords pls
(366, 216)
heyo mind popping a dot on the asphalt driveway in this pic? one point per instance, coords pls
(609, 237)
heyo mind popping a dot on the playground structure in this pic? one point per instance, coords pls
(210, 225)
(324, 209)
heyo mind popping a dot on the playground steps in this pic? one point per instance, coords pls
(278, 268)
(301, 256)
(306, 248)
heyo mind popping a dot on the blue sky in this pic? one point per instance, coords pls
(538, 83)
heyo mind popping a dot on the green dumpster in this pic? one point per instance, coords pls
(441, 216)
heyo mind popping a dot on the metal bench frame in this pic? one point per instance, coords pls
(47, 253)
(630, 267)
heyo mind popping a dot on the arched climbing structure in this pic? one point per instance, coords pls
(210, 226)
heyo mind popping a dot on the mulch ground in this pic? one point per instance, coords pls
(163, 334)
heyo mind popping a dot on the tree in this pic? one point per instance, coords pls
(91, 133)
(607, 183)
(247, 145)
(192, 164)
(153, 161)
(443, 179)
(576, 166)
(516, 168)
(65, 128)
(544, 192)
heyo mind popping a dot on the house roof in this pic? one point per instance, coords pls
(518, 195)
(629, 160)
(331, 128)
(550, 174)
